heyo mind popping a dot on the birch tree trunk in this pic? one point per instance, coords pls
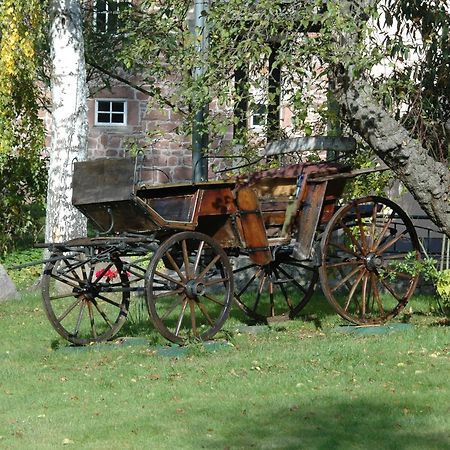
(69, 120)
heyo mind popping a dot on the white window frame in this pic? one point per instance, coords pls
(264, 115)
(107, 13)
(110, 112)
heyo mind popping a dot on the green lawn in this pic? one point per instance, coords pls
(296, 385)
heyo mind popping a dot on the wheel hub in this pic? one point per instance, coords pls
(194, 288)
(373, 262)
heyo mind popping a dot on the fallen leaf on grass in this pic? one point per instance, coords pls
(154, 376)
(67, 441)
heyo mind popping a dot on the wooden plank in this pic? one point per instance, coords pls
(255, 237)
(217, 202)
(308, 218)
(351, 174)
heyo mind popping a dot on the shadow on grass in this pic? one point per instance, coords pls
(358, 424)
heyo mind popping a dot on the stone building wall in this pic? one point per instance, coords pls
(153, 131)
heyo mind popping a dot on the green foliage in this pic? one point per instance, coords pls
(22, 187)
(23, 278)
(418, 89)
(155, 41)
(22, 167)
(428, 268)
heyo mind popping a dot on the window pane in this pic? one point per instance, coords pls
(104, 106)
(100, 5)
(103, 118)
(259, 114)
(113, 5)
(118, 106)
(117, 118)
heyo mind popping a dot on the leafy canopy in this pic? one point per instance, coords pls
(22, 167)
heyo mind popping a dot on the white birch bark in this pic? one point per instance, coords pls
(69, 120)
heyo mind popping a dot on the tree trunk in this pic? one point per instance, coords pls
(427, 179)
(69, 120)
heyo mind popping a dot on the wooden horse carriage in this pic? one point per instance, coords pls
(261, 240)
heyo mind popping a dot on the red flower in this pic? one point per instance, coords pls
(109, 274)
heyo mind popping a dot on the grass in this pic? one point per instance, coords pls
(294, 385)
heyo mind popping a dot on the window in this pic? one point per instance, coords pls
(259, 116)
(111, 112)
(107, 15)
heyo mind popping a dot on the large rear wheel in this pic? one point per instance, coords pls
(364, 246)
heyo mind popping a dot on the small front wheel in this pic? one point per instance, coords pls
(189, 286)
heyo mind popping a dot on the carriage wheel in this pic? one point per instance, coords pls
(189, 286)
(363, 247)
(281, 288)
(86, 301)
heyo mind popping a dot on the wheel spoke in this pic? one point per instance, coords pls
(214, 300)
(180, 317)
(390, 289)
(175, 266)
(361, 230)
(284, 291)
(376, 294)
(186, 259)
(168, 278)
(102, 273)
(390, 243)
(66, 281)
(68, 310)
(258, 296)
(205, 313)
(292, 280)
(364, 295)
(102, 313)
(208, 267)
(241, 269)
(383, 231)
(345, 249)
(79, 318)
(61, 296)
(353, 290)
(349, 233)
(169, 293)
(216, 281)
(91, 319)
(247, 285)
(344, 263)
(346, 278)
(199, 254)
(109, 301)
(171, 309)
(193, 318)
